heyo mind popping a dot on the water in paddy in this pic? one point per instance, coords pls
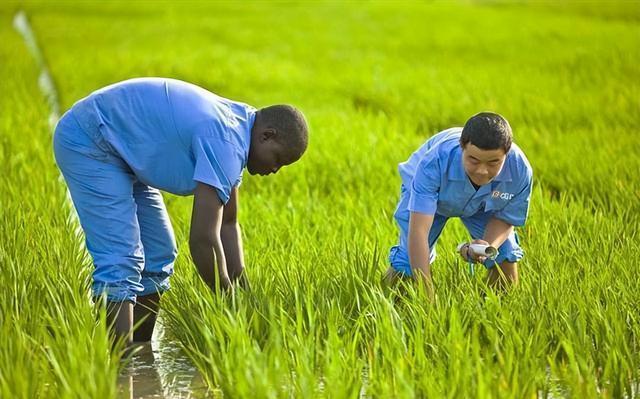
(161, 370)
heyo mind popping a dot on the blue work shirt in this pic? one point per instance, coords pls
(172, 134)
(438, 183)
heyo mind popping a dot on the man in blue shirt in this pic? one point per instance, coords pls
(121, 145)
(475, 173)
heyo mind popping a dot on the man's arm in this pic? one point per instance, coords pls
(204, 237)
(496, 232)
(419, 251)
(232, 238)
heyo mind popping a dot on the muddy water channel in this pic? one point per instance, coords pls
(160, 369)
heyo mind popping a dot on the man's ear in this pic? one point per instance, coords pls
(268, 133)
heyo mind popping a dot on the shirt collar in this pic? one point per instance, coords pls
(248, 126)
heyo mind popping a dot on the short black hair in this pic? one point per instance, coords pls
(290, 125)
(487, 131)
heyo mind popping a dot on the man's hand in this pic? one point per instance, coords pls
(232, 240)
(425, 282)
(419, 227)
(467, 255)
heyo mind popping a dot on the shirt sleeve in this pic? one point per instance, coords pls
(516, 211)
(425, 185)
(218, 163)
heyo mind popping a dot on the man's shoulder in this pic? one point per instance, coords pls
(448, 136)
(520, 160)
(443, 145)
(519, 170)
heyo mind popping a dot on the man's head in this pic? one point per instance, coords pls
(486, 139)
(279, 137)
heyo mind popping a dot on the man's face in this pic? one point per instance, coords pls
(482, 165)
(267, 156)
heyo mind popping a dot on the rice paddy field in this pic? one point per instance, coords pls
(375, 80)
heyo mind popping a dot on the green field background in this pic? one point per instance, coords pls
(375, 80)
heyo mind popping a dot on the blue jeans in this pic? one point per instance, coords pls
(509, 251)
(125, 222)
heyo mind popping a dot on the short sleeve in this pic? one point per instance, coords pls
(516, 211)
(218, 163)
(425, 185)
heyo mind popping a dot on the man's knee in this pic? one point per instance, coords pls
(162, 256)
(392, 277)
(503, 275)
(158, 268)
(510, 271)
